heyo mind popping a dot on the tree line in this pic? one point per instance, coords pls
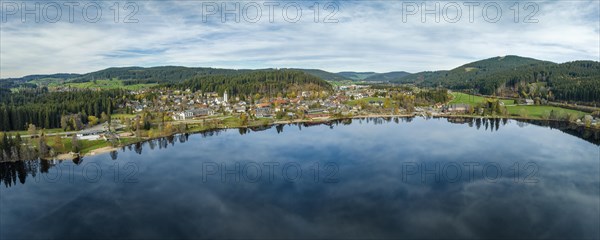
(138, 75)
(47, 109)
(577, 81)
(266, 83)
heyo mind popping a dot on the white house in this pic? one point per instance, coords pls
(188, 114)
(89, 134)
(529, 101)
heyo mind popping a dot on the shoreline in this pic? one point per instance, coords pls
(108, 149)
(326, 120)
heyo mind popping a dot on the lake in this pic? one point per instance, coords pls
(361, 178)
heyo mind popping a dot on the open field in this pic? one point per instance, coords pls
(64, 145)
(104, 84)
(541, 111)
(463, 98)
(366, 100)
(341, 83)
(49, 82)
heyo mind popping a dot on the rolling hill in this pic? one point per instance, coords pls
(328, 76)
(127, 76)
(356, 76)
(509, 76)
(373, 76)
(514, 75)
(387, 77)
(264, 82)
(140, 75)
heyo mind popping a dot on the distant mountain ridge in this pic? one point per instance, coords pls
(507, 75)
(141, 75)
(473, 70)
(328, 76)
(387, 77)
(356, 76)
(129, 75)
(161, 74)
(514, 75)
(373, 76)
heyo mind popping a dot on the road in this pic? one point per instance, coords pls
(99, 127)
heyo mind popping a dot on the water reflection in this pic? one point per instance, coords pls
(11, 171)
(173, 195)
(493, 124)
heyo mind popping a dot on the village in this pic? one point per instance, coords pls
(151, 113)
(188, 107)
(351, 100)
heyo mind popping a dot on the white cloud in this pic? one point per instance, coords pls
(370, 36)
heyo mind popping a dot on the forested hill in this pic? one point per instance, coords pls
(141, 75)
(31, 80)
(373, 76)
(519, 76)
(513, 76)
(128, 75)
(322, 74)
(265, 82)
(471, 73)
(357, 76)
(41, 76)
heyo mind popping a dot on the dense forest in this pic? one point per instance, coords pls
(515, 76)
(136, 75)
(46, 109)
(129, 75)
(141, 75)
(25, 82)
(328, 76)
(268, 83)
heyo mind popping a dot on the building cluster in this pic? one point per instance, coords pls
(186, 105)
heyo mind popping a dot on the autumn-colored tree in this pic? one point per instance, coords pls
(103, 117)
(387, 103)
(244, 119)
(92, 120)
(58, 142)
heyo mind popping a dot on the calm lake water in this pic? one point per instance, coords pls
(370, 178)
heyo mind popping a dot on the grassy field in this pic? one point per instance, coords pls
(366, 100)
(122, 116)
(541, 111)
(106, 84)
(462, 98)
(65, 144)
(49, 82)
(341, 83)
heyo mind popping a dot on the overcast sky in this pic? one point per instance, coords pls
(349, 36)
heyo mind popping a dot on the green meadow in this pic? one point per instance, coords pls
(463, 98)
(106, 84)
(541, 111)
